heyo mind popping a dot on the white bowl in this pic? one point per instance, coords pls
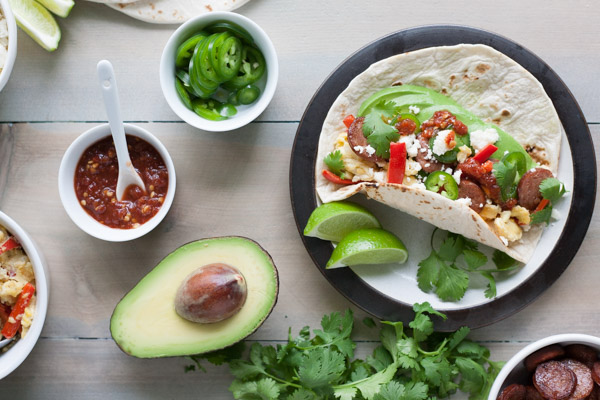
(245, 114)
(514, 370)
(15, 355)
(12, 43)
(66, 188)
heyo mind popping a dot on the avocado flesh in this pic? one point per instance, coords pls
(146, 325)
(429, 101)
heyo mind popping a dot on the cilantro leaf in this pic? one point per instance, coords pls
(503, 260)
(321, 366)
(505, 177)
(368, 322)
(457, 337)
(381, 137)
(391, 391)
(428, 272)
(542, 216)
(452, 283)
(473, 375)
(490, 291)
(335, 163)
(380, 359)
(452, 247)
(263, 389)
(474, 259)
(415, 391)
(302, 394)
(552, 189)
(383, 109)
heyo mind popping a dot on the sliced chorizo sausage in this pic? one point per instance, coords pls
(596, 372)
(528, 189)
(586, 354)
(542, 355)
(424, 157)
(471, 190)
(554, 380)
(533, 394)
(513, 392)
(584, 384)
(358, 141)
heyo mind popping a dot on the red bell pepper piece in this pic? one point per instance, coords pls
(10, 328)
(397, 162)
(9, 244)
(349, 120)
(331, 177)
(542, 205)
(485, 153)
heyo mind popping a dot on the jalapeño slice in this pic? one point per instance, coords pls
(443, 183)
(248, 94)
(186, 49)
(208, 109)
(197, 79)
(206, 67)
(408, 116)
(251, 70)
(183, 93)
(234, 29)
(229, 58)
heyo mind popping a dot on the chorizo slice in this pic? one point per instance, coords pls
(596, 372)
(584, 384)
(583, 353)
(471, 190)
(595, 395)
(358, 141)
(424, 157)
(542, 355)
(528, 189)
(533, 394)
(554, 380)
(513, 392)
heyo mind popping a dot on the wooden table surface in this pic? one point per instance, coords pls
(234, 183)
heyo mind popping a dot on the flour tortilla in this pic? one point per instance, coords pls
(485, 82)
(172, 11)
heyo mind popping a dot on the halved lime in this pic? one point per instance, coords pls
(333, 221)
(37, 22)
(62, 8)
(368, 246)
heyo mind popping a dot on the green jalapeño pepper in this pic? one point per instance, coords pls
(227, 60)
(443, 183)
(186, 49)
(517, 159)
(408, 116)
(252, 68)
(208, 109)
(206, 67)
(449, 157)
(183, 93)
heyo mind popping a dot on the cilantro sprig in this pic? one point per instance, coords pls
(335, 163)
(552, 190)
(447, 274)
(506, 175)
(411, 362)
(379, 133)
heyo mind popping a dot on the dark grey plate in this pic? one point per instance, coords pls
(302, 168)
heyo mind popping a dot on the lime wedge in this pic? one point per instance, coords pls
(37, 22)
(333, 221)
(62, 8)
(368, 246)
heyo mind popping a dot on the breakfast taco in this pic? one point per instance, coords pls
(461, 137)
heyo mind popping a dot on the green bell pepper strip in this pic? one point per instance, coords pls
(183, 93)
(248, 94)
(186, 49)
(228, 57)
(234, 29)
(252, 69)
(518, 159)
(208, 109)
(449, 157)
(442, 181)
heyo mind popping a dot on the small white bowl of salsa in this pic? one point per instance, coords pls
(87, 184)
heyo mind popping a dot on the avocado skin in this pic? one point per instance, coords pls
(121, 309)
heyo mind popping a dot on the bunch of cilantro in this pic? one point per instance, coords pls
(447, 270)
(411, 363)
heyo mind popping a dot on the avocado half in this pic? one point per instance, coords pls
(145, 324)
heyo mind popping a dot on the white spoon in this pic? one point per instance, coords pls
(127, 174)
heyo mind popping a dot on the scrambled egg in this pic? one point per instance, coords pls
(503, 222)
(15, 271)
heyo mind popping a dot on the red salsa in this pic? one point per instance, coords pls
(96, 183)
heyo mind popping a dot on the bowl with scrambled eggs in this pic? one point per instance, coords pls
(23, 294)
(8, 42)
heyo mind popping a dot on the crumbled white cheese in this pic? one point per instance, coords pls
(370, 150)
(481, 138)
(463, 153)
(427, 165)
(504, 240)
(360, 149)
(414, 109)
(380, 177)
(555, 214)
(412, 167)
(439, 145)
(456, 175)
(423, 149)
(412, 144)
(481, 205)
(505, 152)
(464, 200)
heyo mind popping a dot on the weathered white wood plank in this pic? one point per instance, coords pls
(312, 37)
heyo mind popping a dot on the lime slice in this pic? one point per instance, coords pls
(37, 22)
(333, 221)
(62, 8)
(368, 246)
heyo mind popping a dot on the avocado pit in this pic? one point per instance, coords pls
(211, 293)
